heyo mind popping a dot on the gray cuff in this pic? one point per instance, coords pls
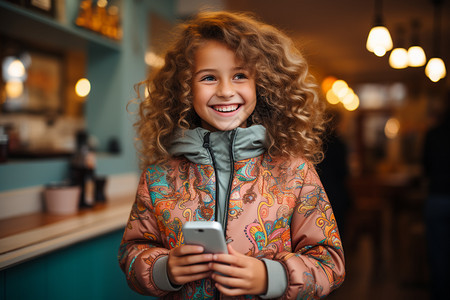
(276, 279)
(160, 276)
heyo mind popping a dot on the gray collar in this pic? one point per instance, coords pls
(247, 143)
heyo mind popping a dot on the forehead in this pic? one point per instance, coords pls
(214, 54)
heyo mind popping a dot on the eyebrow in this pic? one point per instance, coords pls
(214, 70)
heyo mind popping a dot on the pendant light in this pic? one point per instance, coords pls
(416, 55)
(435, 69)
(379, 40)
(399, 56)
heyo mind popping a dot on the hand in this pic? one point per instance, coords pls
(187, 263)
(239, 274)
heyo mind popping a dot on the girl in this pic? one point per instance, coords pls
(229, 132)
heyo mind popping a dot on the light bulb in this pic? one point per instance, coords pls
(379, 51)
(435, 69)
(416, 56)
(398, 58)
(379, 40)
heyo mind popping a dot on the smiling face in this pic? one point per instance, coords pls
(224, 92)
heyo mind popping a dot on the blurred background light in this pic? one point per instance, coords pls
(83, 87)
(392, 128)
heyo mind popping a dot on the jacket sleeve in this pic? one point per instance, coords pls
(316, 264)
(142, 244)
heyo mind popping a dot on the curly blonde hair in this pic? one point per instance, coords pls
(288, 105)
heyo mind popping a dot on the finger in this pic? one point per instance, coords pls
(195, 259)
(180, 280)
(177, 272)
(186, 267)
(227, 270)
(187, 250)
(193, 269)
(230, 292)
(228, 259)
(227, 281)
(232, 251)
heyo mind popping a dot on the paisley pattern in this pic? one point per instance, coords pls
(267, 198)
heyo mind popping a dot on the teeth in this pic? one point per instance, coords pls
(226, 108)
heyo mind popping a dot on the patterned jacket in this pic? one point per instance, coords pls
(277, 210)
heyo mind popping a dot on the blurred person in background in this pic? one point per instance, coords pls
(436, 163)
(334, 170)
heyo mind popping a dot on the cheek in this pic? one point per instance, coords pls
(251, 95)
(197, 97)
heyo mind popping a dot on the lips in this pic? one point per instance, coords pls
(226, 108)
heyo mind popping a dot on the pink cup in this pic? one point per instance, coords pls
(62, 200)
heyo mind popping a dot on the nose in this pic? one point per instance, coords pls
(225, 89)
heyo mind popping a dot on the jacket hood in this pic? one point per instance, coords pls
(247, 143)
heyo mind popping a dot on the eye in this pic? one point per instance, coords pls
(208, 78)
(240, 76)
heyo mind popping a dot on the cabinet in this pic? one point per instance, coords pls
(112, 67)
(88, 270)
(28, 25)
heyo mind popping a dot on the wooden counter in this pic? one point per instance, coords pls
(26, 237)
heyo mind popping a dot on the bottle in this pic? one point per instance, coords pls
(82, 170)
(4, 145)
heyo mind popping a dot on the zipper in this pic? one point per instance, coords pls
(211, 153)
(230, 182)
(206, 144)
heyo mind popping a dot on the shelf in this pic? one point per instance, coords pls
(26, 237)
(40, 29)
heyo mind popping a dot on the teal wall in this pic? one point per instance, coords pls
(88, 270)
(113, 73)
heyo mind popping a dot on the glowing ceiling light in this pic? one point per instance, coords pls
(416, 56)
(379, 40)
(435, 69)
(398, 58)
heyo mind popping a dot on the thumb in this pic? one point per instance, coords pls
(231, 250)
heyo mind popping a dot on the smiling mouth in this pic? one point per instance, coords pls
(226, 108)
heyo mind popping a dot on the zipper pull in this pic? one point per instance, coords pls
(206, 140)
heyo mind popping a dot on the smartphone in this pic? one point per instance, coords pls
(208, 234)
